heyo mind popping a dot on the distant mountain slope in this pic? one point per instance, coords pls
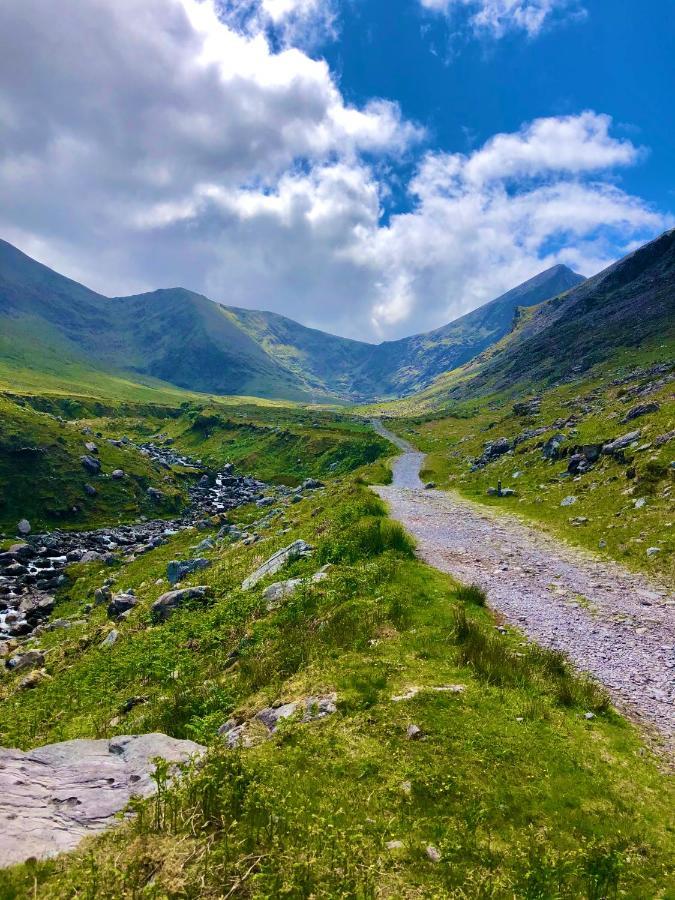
(625, 306)
(395, 368)
(51, 323)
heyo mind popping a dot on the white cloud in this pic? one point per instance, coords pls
(157, 145)
(497, 17)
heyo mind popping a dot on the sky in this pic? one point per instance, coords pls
(373, 168)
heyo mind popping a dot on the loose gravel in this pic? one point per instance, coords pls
(616, 625)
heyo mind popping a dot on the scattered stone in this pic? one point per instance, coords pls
(394, 845)
(117, 474)
(312, 484)
(653, 551)
(414, 733)
(23, 527)
(664, 439)
(33, 680)
(168, 603)
(90, 490)
(430, 485)
(308, 709)
(568, 501)
(277, 561)
(639, 503)
(109, 639)
(618, 445)
(433, 854)
(91, 464)
(121, 603)
(91, 447)
(641, 409)
(178, 570)
(551, 449)
(32, 659)
(276, 592)
(579, 520)
(155, 494)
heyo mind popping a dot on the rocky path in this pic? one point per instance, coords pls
(616, 625)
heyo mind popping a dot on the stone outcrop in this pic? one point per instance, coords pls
(277, 561)
(54, 796)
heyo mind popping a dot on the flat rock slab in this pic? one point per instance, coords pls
(54, 796)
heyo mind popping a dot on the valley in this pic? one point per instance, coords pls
(461, 687)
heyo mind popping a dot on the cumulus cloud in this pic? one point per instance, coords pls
(497, 17)
(157, 144)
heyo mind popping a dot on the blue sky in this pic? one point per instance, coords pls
(617, 58)
(370, 168)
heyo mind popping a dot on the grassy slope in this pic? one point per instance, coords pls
(518, 791)
(455, 436)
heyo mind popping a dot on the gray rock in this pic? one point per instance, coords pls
(568, 501)
(54, 796)
(91, 464)
(109, 639)
(653, 551)
(155, 494)
(177, 570)
(551, 449)
(281, 589)
(120, 604)
(277, 561)
(90, 447)
(23, 527)
(90, 556)
(168, 603)
(312, 484)
(90, 490)
(414, 733)
(642, 409)
(309, 709)
(620, 443)
(32, 659)
(117, 474)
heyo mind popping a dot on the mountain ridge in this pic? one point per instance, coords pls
(185, 339)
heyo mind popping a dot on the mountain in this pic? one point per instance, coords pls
(51, 323)
(628, 305)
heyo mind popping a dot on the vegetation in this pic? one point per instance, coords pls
(608, 514)
(519, 791)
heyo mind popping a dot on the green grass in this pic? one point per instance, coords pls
(520, 793)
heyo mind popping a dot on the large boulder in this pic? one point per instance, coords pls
(54, 796)
(642, 409)
(277, 561)
(121, 603)
(618, 445)
(168, 603)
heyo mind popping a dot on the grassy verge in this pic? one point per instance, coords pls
(517, 791)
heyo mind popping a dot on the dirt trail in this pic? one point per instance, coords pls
(616, 625)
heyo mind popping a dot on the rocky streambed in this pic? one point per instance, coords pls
(34, 568)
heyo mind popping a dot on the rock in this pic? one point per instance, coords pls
(178, 570)
(90, 447)
(430, 485)
(117, 474)
(414, 733)
(312, 484)
(579, 520)
(168, 603)
(277, 561)
(281, 589)
(155, 494)
(32, 659)
(102, 595)
(664, 438)
(621, 443)
(90, 556)
(54, 796)
(91, 464)
(23, 527)
(551, 449)
(109, 639)
(433, 854)
(121, 603)
(309, 709)
(33, 680)
(394, 845)
(264, 501)
(639, 503)
(508, 492)
(653, 551)
(641, 409)
(568, 501)
(90, 490)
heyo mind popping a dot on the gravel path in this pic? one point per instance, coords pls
(616, 625)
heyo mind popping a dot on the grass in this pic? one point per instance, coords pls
(521, 794)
